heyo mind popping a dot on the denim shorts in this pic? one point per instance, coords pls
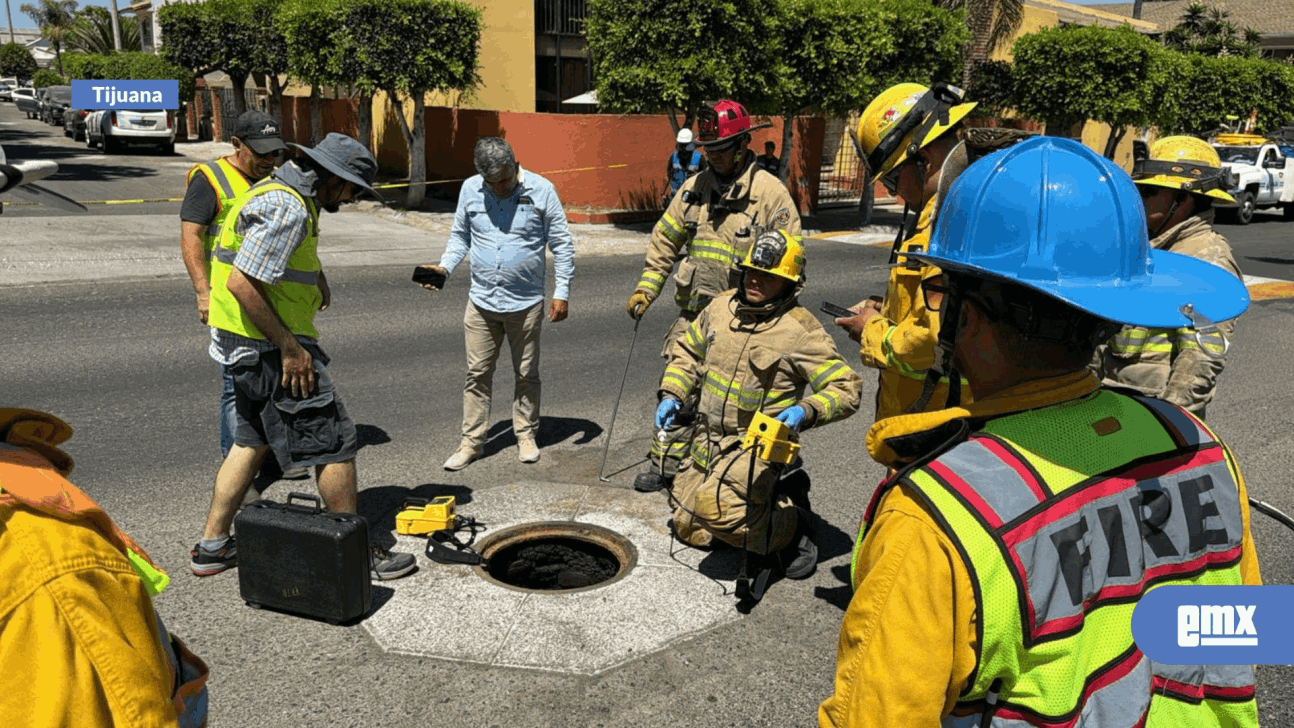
(314, 430)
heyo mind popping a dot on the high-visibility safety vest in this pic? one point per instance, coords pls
(679, 172)
(229, 184)
(295, 298)
(1064, 517)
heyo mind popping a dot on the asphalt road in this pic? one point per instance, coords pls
(123, 360)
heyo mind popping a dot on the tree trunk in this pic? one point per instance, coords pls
(240, 93)
(116, 26)
(1136, 9)
(366, 120)
(276, 98)
(316, 116)
(788, 138)
(415, 141)
(1112, 144)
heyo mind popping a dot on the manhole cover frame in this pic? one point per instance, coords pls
(620, 547)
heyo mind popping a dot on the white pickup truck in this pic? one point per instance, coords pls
(1262, 176)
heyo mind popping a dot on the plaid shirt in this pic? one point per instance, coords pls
(272, 224)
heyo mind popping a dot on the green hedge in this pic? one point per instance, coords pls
(128, 66)
(45, 77)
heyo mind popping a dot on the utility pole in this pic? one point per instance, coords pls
(116, 26)
(9, 16)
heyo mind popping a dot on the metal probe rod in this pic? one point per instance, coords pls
(616, 407)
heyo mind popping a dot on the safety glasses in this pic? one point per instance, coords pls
(935, 289)
(890, 181)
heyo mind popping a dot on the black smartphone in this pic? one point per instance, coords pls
(836, 311)
(427, 275)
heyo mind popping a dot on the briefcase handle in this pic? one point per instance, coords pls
(318, 506)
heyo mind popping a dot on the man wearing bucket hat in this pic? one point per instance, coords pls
(266, 287)
(706, 230)
(1178, 180)
(754, 349)
(909, 133)
(996, 571)
(685, 161)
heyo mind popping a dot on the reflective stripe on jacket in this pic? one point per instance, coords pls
(725, 227)
(1048, 509)
(1169, 363)
(295, 298)
(229, 184)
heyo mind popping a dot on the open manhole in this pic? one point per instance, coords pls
(555, 556)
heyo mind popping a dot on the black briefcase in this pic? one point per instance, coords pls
(303, 559)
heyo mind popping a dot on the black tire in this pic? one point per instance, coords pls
(168, 149)
(110, 145)
(1245, 208)
(1288, 211)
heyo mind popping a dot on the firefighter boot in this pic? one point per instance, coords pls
(801, 556)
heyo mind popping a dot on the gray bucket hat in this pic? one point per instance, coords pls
(346, 158)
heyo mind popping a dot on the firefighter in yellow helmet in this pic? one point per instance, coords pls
(754, 349)
(705, 231)
(1178, 183)
(909, 133)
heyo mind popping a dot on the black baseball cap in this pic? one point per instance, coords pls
(260, 131)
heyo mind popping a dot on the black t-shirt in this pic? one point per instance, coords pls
(201, 203)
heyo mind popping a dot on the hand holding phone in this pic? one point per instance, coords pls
(430, 276)
(836, 311)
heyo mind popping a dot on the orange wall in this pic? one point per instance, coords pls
(338, 115)
(597, 161)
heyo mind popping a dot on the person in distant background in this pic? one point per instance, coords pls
(768, 161)
(684, 162)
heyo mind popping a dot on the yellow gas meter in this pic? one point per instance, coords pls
(419, 517)
(770, 440)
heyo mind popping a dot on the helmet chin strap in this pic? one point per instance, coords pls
(949, 318)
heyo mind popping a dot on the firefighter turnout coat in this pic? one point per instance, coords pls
(1174, 364)
(745, 359)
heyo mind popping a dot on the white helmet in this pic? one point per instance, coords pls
(684, 136)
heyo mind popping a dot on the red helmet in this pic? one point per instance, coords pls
(723, 122)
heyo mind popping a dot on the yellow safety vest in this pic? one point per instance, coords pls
(1054, 514)
(295, 298)
(229, 184)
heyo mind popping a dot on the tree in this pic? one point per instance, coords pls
(55, 19)
(1111, 75)
(91, 32)
(186, 41)
(649, 55)
(318, 54)
(928, 44)
(16, 61)
(130, 65)
(994, 87)
(409, 48)
(45, 77)
(216, 35)
(1207, 31)
(992, 24)
(270, 49)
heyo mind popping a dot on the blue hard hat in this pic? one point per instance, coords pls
(1053, 215)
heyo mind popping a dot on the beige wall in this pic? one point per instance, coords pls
(507, 59)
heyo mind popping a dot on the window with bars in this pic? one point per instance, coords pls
(560, 17)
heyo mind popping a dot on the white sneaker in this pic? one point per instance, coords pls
(529, 450)
(461, 457)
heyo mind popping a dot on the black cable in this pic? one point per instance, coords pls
(1268, 509)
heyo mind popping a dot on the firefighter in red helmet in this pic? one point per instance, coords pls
(707, 230)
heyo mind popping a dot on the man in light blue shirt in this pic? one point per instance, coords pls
(506, 219)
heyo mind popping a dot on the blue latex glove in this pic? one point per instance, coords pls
(792, 417)
(665, 412)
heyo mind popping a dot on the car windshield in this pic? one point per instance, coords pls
(61, 95)
(1239, 155)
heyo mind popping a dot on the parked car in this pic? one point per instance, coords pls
(6, 92)
(74, 123)
(113, 129)
(57, 100)
(25, 99)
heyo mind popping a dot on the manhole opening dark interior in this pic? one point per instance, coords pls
(552, 564)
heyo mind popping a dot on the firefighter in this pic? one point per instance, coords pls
(754, 349)
(708, 228)
(996, 573)
(908, 133)
(1178, 184)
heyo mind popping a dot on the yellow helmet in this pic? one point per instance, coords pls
(905, 118)
(1183, 163)
(777, 252)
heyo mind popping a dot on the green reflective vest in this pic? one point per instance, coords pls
(229, 184)
(295, 298)
(1064, 517)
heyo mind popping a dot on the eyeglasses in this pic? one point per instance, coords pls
(934, 289)
(890, 180)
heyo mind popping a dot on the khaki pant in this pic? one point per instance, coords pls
(484, 332)
(725, 504)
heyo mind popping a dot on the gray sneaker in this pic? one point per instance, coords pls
(385, 565)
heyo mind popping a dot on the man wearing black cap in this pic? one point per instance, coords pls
(212, 189)
(266, 286)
